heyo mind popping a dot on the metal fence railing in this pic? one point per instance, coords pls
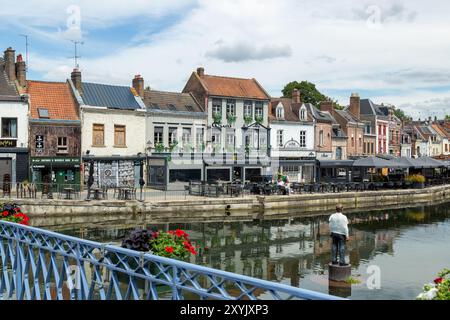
(195, 189)
(44, 265)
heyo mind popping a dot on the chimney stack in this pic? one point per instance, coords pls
(355, 105)
(10, 63)
(296, 96)
(138, 85)
(76, 79)
(201, 71)
(21, 70)
(327, 106)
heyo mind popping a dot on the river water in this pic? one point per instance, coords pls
(393, 252)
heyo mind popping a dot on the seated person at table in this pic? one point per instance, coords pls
(281, 186)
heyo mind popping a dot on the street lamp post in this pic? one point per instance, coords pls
(141, 174)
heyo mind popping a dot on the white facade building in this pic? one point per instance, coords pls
(292, 139)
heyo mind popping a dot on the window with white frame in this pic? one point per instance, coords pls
(321, 138)
(172, 136)
(231, 107)
(186, 138)
(215, 137)
(303, 115)
(158, 136)
(229, 142)
(259, 111)
(248, 108)
(302, 139)
(62, 145)
(199, 137)
(280, 112)
(217, 106)
(9, 128)
(280, 138)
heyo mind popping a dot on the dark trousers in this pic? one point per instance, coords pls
(338, 248)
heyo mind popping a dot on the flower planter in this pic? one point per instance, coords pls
(418, 185)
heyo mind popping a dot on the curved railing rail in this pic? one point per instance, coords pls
(42, 265)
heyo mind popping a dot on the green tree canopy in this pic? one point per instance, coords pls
(399, 113)
(308, 93)
(447, 117)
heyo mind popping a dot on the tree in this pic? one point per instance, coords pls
(308, 93)
(447, 117)
(399, 113)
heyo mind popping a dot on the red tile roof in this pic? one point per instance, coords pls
(56, 97)
(233, 87)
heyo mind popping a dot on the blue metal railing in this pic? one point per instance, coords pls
(42, 265)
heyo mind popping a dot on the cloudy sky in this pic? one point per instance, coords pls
(391, 51)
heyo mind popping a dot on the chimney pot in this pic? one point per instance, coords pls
(76, 79)
(21, 70)
(355, 105)
(296, 96)
(201, 71)
(138, 85)
(327, 106)
(10, 63)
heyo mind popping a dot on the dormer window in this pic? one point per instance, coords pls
(303, 115)
(280, 112)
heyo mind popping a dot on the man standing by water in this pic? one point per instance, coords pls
(339, 235)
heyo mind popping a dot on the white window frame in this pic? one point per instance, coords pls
(302, 140)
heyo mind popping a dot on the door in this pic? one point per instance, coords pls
(5, 169)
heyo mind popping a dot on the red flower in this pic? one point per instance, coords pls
(180, 233)
(438, 280)
(169, 249)
(24, 219)
(5, 213)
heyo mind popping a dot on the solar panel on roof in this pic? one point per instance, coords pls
(43, 113)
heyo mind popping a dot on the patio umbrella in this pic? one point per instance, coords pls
(375, 162)
(434, 163)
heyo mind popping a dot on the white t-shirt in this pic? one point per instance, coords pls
(339, 224)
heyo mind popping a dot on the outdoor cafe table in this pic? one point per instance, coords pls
(124, 193)
(68, 192)
(96, 193)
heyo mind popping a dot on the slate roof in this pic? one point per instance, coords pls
(110, 96)
(8, 91)
(233, 87)
(368, 107)
(171, 101)
(321, 116)
(348, 116)
(291, 110)
(56, 97)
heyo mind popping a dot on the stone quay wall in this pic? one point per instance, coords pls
(57, 214)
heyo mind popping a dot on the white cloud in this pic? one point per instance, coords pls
(328, 43)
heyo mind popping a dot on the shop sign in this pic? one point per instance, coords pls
(39, 143)
(8, 143)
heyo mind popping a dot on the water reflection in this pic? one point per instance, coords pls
(297, 251)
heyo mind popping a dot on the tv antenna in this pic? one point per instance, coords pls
(76, 56)
(26, 51)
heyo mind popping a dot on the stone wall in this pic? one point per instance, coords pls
(54, 214)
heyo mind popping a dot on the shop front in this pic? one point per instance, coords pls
(57, 170)
(113, 172)
(13, 163)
